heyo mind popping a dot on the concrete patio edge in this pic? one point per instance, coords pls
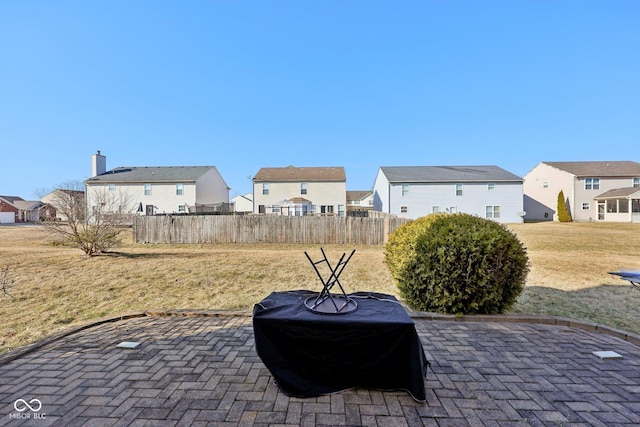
(512, 318)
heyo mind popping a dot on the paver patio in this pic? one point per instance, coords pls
(203, 370)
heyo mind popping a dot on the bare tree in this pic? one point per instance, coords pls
(6, 281)
(92, 222)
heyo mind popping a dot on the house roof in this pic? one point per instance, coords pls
(619, 193)
(27, 205)
(297, 200)
(152, 174)
(358, 195)
(11, 199)
(447, 174)
(599, 169)
(292, 173)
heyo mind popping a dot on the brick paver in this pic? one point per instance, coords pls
(204, 371)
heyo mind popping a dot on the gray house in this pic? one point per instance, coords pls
(415, 191)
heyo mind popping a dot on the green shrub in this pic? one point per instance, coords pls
(402, 241)
(457, 264)
(563, 211)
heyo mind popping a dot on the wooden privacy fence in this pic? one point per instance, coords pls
(263, 229)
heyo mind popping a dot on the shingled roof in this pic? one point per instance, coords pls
(448, 174)
(617, 193)
(152, 174)
(599, 169)
(303, 174)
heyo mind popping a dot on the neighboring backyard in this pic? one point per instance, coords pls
(53, 287)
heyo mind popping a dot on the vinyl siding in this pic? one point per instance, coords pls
(475, 197)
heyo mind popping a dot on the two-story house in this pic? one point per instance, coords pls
(593, 191)
(296, 191)
(159, 189)
(359, 200)
(416, 191)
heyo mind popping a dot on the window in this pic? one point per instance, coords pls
(491, 186)
(405, 190)
(636, 182)
(492, 212)
(112, 187)
(265, 188)
(340, 210)
(147, 189)
(435, 209)
(453, 209)
(403, 209)
(182, 209)
(545, 184)
(592, 183)
(179, 189)
(623, 205)
(303, 188)
(326, 209)
(586, 206)
(275, 209)
(458, 189)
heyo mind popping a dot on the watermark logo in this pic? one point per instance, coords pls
(27, 410)
(22, 405)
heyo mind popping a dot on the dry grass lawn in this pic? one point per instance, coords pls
(56, 287)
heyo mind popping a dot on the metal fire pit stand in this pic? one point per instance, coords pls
(326, 302)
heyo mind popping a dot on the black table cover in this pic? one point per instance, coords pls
(310, 354)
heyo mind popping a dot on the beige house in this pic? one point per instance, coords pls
(242, 203)
(594, 191)
(297, 191)
(56, 196)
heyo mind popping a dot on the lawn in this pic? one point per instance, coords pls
(55, 287)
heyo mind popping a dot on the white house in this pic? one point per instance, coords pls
(298, 191)
(416, 191)
(593, 191)
(359, 200)
(159, 189)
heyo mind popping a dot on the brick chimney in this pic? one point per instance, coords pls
(98, 164)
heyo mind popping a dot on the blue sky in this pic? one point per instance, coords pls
(356, 83)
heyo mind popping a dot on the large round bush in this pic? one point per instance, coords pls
(457, 264)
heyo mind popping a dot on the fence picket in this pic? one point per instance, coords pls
(264, 229)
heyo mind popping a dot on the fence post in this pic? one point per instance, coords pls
(385, 232)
